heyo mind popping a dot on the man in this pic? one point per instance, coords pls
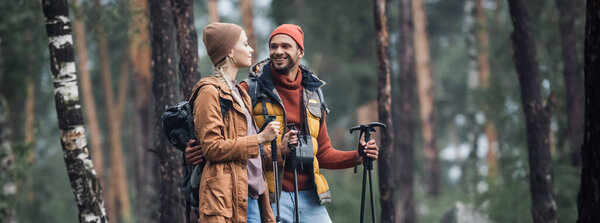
(280, 86)
(288, 90)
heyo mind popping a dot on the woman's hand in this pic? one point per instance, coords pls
(193, 153)
(270, 132)
(291, 138)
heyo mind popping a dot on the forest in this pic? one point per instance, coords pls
(491, 106)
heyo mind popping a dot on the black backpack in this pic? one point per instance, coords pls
(178, 126)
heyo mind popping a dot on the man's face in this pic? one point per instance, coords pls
(284, 53)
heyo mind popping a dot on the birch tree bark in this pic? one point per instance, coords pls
(537, 116)
(84, 182)
(88, 97)
(384, 106)
(588, 202)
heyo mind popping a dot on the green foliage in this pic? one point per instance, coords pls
(45, 191)
(346, 187)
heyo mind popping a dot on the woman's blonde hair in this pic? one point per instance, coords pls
(219, 72)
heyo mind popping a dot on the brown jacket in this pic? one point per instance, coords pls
(226, 147)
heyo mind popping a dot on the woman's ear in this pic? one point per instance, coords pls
(230, 54)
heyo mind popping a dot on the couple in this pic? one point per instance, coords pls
(235, 187)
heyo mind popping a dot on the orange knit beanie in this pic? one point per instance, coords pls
(291, 30)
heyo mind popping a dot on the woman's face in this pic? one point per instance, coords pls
(242, 52)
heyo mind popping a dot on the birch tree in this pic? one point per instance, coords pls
(84, 182)
(89, 102)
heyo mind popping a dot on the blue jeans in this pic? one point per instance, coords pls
(253, 211)
(310, 209)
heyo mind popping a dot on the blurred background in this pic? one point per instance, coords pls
(477, 154)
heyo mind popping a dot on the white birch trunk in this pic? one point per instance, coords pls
(84, 182)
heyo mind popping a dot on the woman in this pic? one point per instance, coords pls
(233, 185)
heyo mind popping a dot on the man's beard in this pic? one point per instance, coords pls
(285, 69)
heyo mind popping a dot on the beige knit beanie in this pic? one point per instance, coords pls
(219, 39)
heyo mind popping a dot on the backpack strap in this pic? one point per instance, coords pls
(252, 89)
(322, 99)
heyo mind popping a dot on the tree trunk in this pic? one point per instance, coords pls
(84, 182)
(491, 157)
(117, 169)
(588, 202)
(471, 42)
(537, 116)
(384, 104)
(573, 80)
(187, 45)
(29, 113)
(483, 45)
(213, 11)
(404, 113)
(145, 164)
(163, 54)
(88, 99)
(484, 76)
(9, 188)
(247, 17)
(425, 93)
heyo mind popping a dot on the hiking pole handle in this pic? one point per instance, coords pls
(274, 156)
(367, 161)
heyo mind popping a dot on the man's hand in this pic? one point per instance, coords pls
(291, 137)
(193, 153)
(370, 149)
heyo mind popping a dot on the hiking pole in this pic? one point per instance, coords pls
(275, 170)
(367, 166)
(295, 168)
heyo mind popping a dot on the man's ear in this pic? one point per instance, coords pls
(301, 54)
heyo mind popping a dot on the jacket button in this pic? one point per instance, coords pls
(243, 200)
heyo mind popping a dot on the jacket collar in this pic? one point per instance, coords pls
(214, 81)
(262, 72)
